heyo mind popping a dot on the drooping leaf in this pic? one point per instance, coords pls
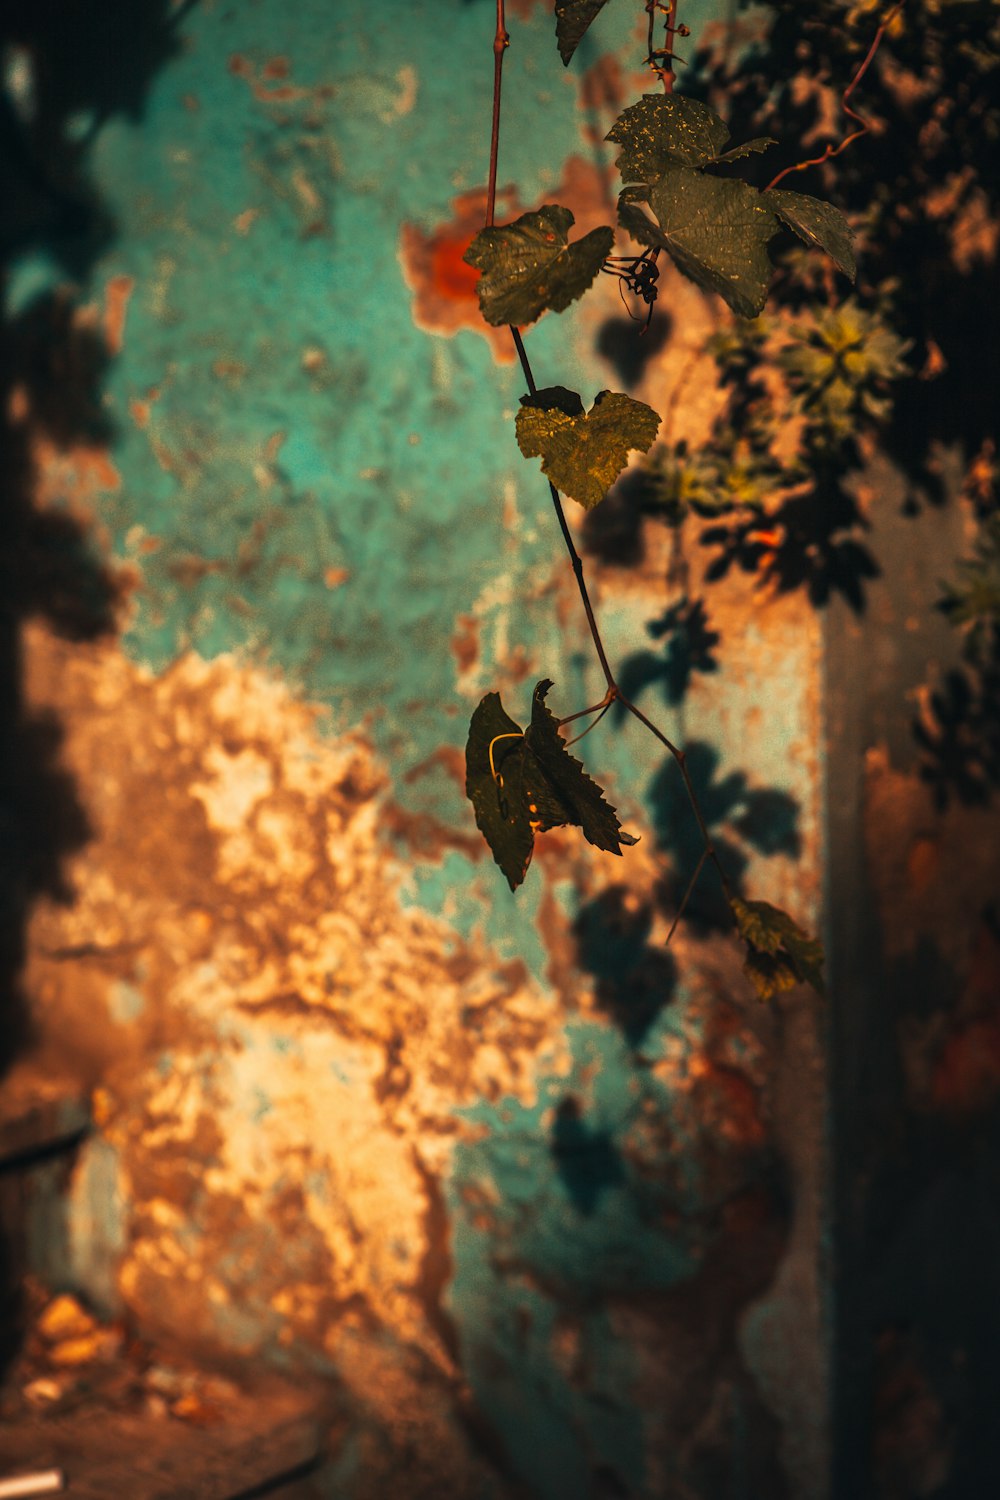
(573, 17)
(502, 818)
(639, 225)
(770, 973)
(817, 223)
(529, 266)
(756, 147)
(779, 954)
(717, 231)
(663, 129)
(583, 452)
(569, 781)
(521, 784)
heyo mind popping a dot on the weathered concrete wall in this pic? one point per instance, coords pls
(547, 1199)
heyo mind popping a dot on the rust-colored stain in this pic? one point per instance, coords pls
(117, 293)
(465, 643)
(263, 87)
(76, 474)
(244, 222)
(604, 91)
(444, 287)
(238, 883)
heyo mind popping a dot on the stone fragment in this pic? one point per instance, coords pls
(64, 1318)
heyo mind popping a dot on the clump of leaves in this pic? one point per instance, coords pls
(524, 781)
(839, 366)
(972, 600)
(959, 729)
(678, 198)
(716, 229)
(779, 954)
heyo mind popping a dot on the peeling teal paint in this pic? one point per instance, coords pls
(312, 483)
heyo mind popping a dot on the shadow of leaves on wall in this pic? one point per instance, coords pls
(68, 69)
(587, 1160)
(635, 979)
(811, 543)
(763, 818)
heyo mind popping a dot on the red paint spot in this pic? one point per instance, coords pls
(119, 289)
(276, 67)
(240, 66)
(451, 276)
(465, 642)
(283, 94)
(444, 287)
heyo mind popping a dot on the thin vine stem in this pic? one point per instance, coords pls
(501, 42)
(589, 727)
(594, 708)
(831, 150)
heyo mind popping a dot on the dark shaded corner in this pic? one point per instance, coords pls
(66, 69)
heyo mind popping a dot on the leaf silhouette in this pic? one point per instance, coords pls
(524, 782)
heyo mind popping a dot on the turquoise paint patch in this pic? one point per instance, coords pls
(416, 527)
(535, 1260)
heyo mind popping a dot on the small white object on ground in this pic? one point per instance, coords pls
(45, 1482)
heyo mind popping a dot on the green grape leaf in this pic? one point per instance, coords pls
(663, 129)
(530, 266)
(817, 223)
(639, 225)
(569, 781)
(756, 147)
(779, 954)
(583, 452)
(502, 819)
(717, 231)
(573, 17)
(521, 784)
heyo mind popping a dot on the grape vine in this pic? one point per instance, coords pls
(679, 197)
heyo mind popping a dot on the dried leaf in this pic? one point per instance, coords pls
(572, 787)
(779, 953)
(521, 784)
(502, 819)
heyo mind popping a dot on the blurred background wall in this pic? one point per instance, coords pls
(556, 1211)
